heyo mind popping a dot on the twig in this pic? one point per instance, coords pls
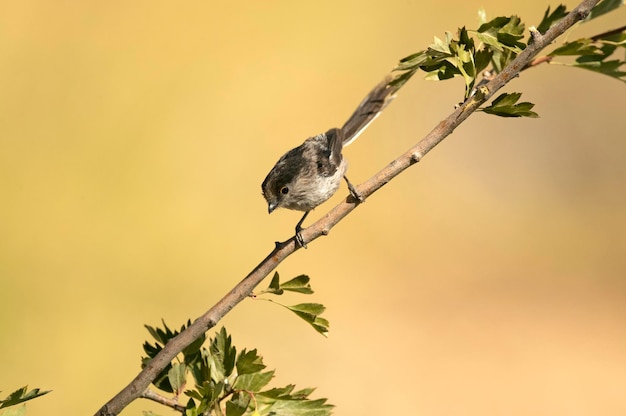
(155, 397)
(538, 61)
(328, 221)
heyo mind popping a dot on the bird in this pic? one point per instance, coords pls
(308, 175)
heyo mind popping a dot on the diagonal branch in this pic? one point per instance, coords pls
(136, 388)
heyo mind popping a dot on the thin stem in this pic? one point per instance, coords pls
(155, 397)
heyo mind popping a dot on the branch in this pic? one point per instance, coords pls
(283, 250)
(155, 397)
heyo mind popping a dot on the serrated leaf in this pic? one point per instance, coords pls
(303, 393)
(162, 381)
(616, 39)
(490, 39)
(299, 284)
(442, 71)
(275, 283)
(412, 61)
(506, 106)
(482, 59)
(310, 308)
(249, 362)
(222, 354)
(321, 325)
(193, 352)
(309, 312)
(578, 47)
(610, 68)
(20, 396)
(190, 409)
(277, 392)
(253, 382)
(177, 376)
(604, 7)
(551, 18)
(502, 33)
(288, 406)
(238, 404)
(440, 45)
(401, 79)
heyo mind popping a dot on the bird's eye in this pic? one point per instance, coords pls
(284, 190)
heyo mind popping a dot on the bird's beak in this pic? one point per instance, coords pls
(271, 207)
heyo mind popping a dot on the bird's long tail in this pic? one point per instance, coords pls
(371, 106)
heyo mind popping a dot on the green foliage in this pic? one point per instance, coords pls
(551, 18)
(477, 55)
(310, 312)
(230, 383)
(20, 396)
(594, 53)
(604, 7)
(506, 105)
(191, 354)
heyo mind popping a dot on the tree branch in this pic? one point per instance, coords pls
(155, 397)
(282, 250)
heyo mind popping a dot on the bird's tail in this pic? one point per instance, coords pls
(369, 109)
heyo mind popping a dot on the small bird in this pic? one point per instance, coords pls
(308, 175)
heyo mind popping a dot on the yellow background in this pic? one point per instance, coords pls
(486, 280)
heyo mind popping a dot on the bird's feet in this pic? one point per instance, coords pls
(299, 239)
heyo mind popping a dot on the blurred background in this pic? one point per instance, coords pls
(134, 136)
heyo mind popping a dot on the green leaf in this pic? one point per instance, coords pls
(506, 106)
(578, 47)
(280, 402)
(308, 308)
(253, 382)
(482, 59)
(274, 286)
(616, 39)
(20, 396)
(610, 68)
(440, 72)
(309, 312)
(551, 18)
(299, 284)
(249, 362)
(503, 33)
(177, 376)
(401, 79)
(238, 404)
(223, 354)
(193, 352)
(15, 411)
(412, 61)
(604, 7)
(440, 45)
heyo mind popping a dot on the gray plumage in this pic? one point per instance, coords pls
(311, 173)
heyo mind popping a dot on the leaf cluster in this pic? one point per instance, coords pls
(597, 54)
(476, 55)
(309, 312)
(227, 382)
